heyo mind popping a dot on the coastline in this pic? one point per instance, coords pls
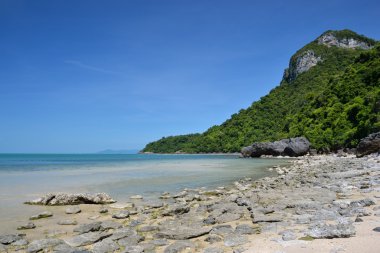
(266, 215)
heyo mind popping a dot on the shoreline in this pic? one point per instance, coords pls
(244, 217)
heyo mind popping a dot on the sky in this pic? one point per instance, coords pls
(81, 76)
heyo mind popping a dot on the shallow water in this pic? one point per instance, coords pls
(27, 176)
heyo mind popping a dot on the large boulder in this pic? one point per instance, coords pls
(368, 145)
(288, 147)
(57, 199)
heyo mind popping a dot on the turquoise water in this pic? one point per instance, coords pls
(27, 176)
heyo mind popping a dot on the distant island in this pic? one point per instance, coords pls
(329, 94)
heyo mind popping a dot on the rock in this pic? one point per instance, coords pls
(103, 210)
(67, 222)
(213, 250)
(90, 227)
(8, 239)
(376, 229)
(213, 238)
(105, 246)
(109, 224)
(300, 64)
(288, 235)
(228, 217)
(291, 147)
(145, 229)
(358, 219)
(256, 218)
(160, 242)
(3, 248)
(42, 215)
(121, 215)
(131, 240)
(340, 230)
(55, 199)
(329, 39)
(122, 233)
(136, 197)
(222, 230)
(44, 244)
(181, 232)
(176, 209)
(29, 225)
(179, 246)
(21, 242)
(86, 239)
(133, 249)
(73, 210)
(245, 229)
(233, 240)
(368, 145)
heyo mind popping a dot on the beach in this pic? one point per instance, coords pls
(317, 204)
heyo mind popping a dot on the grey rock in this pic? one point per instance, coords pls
(136, 197)
(105, 246)
(103, 210)
(147, 229)
(340, 230)
(301, 64)
(42, 215)
(121, 215)
(358, 219)
(73, 210)
(176, 209)
(55, 199)
(65, 248)
(179, 246)
(44, 244)
(222, 230)
(109, 224)
(67, 222)
(131, 240)
(182, 232)
(21, 242)
(233, 240)
(133, 249)
(228, 217)
(213, 238)
(8, 239)
(329, 39)
(122, 233)
(362, 203)
(90, 227)
(86, 239)
(160, 242)
(292, 147)
(376, 229)
(3, 248)
(29, 225)
(245, 229)
(288, 235)
(213, 250)
(369, 145)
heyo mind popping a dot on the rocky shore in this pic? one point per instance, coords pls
(317, 204)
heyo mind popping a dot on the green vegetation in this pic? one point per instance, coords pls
(334, 104)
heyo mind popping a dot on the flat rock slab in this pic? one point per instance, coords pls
(29, 225)
(90, 227)
(181, 233)
(121, 215)
(86, 239)
(235, 240)
(109, 224)
(60, 199)
(44, 244)
(42, 215)
(136, 197)
(73, 210)
(213, 250)
(340, 230)
(105, 246)
(179, 246)
(8, 239)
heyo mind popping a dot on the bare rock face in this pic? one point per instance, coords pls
(368, 145)
(302, 64)
(329, 39)
(287, 147)
(59, 199)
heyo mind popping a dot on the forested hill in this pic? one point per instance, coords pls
(330, 94)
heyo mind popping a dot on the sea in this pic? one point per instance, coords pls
(27, 176)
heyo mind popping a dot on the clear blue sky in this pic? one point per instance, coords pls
(82, 76)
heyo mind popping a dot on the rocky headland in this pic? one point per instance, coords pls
(327, 202)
